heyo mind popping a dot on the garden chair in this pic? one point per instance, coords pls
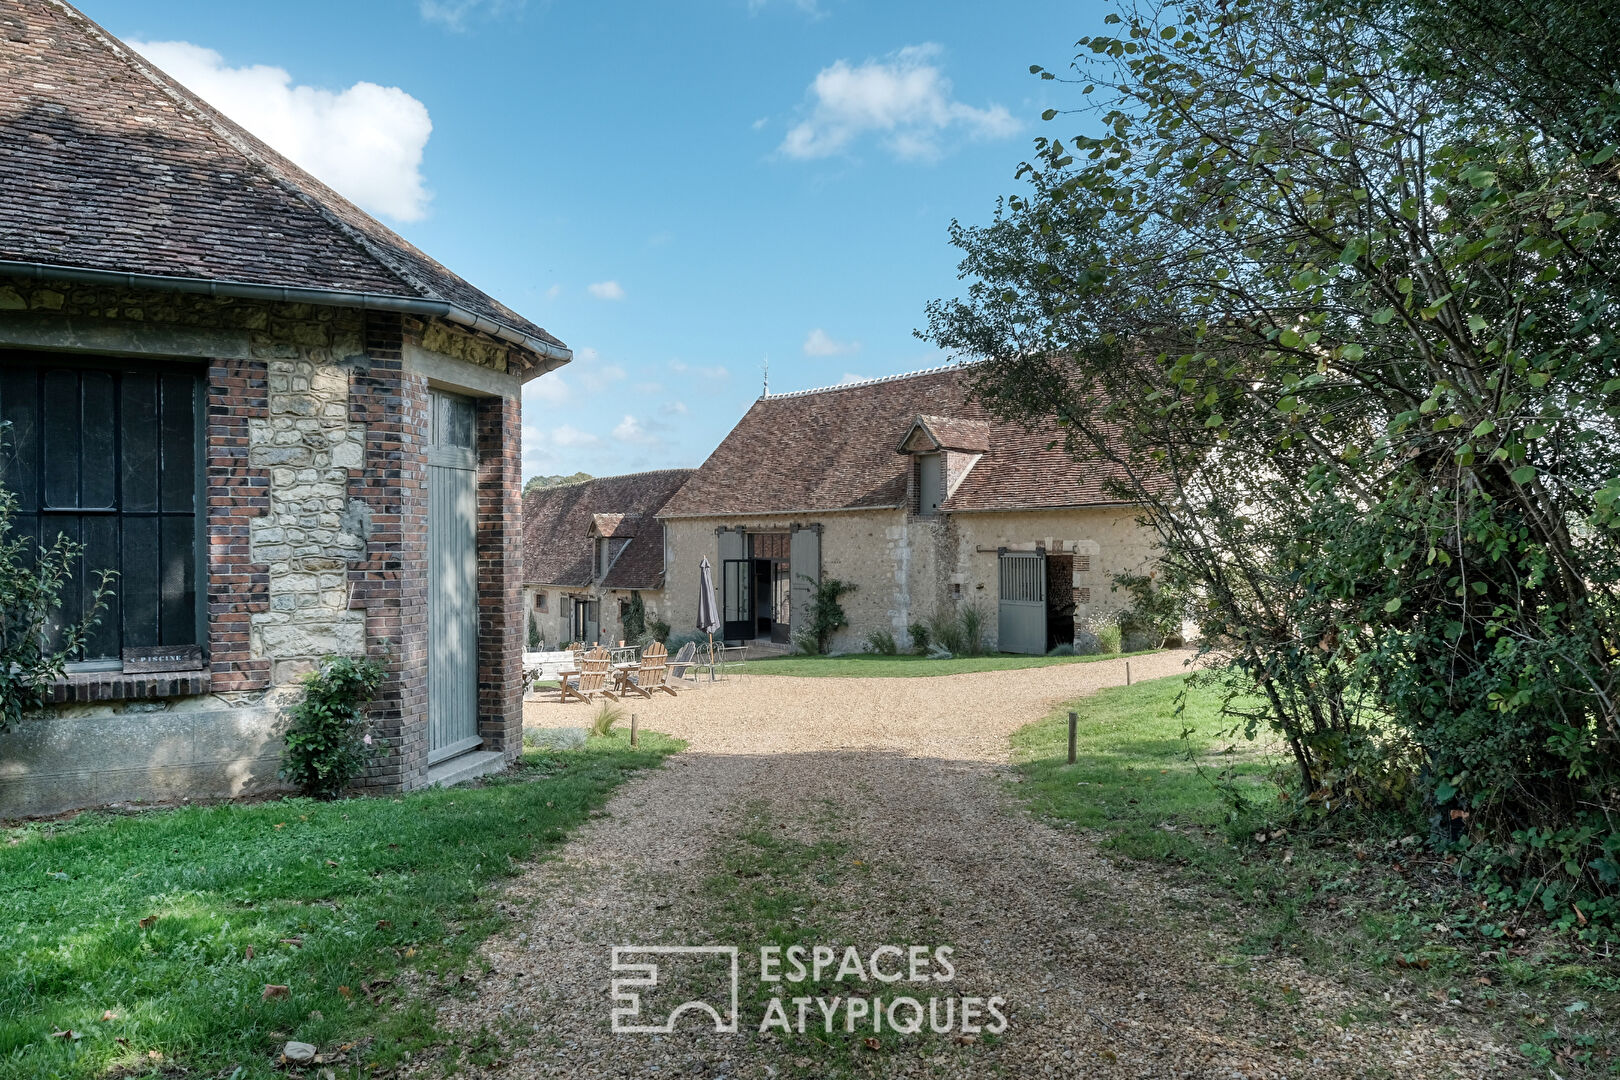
(594, 671)
(653, 674)
(684, 661)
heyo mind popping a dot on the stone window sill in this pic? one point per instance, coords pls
(117, 686)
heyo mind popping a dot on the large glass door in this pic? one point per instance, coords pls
(737, 603)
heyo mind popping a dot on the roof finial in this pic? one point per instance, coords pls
(767, 391)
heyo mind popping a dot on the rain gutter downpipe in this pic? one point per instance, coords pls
(552, 356)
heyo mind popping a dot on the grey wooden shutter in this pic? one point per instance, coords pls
(804, 565)
(732, 545)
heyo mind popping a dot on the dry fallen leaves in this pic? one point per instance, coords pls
(108, 1017)
(873, 1043)
(275, 990)
(147, 922)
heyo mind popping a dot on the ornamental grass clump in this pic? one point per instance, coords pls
(329, 742)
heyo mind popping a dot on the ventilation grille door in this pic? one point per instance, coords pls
(1021, 622)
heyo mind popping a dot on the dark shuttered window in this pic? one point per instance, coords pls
(108, 453)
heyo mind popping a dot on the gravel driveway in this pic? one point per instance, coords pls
(1105, 970)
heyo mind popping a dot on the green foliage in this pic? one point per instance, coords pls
(1109, 638)
(534, 633)
(1339, 310)
(35, 643)
(362, 885)
(1154, 614)
(329, 741)
(920, 637)
(659, 629)
(971, 617)
(959, 631)
(607, 715)
(882, 643)
(635, 618)
(826, 614)
(540, 483)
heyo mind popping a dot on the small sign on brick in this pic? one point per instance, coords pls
(149, 658)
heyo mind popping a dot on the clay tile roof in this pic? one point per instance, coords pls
(955, 433)
(110, 165)
(836, 449)
(558, 524)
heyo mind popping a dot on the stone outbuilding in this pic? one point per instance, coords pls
(590, 550)
(290, 432)
(908, 489)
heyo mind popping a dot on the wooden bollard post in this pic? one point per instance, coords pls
(1073, 719)
(1127, 673)
(635, 736)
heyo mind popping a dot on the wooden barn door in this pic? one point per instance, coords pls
(1022, 610)
(452, 579)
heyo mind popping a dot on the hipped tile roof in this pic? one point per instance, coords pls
(837, 449)
(558, 523)
(109, 164)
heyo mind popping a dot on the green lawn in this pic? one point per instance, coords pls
(145, 943)
(1358, 895)
(878, 666)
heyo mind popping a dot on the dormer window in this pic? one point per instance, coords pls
(944, 449)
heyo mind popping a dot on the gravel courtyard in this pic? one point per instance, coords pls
(1106, 970)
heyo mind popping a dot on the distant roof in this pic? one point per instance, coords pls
(558, 523)
(111, 166)
(838, 449)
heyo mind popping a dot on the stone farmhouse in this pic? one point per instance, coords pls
(589, 548)
(908, 489)
(290, 432)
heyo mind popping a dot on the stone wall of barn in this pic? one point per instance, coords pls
(906, 567)
(316, 542)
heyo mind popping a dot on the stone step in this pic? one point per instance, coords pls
(464, 767)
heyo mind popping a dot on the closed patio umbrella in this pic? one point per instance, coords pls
(708, 620)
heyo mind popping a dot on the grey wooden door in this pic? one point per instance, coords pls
(804, 574)
(1021, 626)
(452, 579)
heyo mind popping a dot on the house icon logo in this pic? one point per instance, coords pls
(640, 963)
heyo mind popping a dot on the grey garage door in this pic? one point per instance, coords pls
(452, 579)
(1022, 610)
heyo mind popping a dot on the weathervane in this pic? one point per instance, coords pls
(767, 368)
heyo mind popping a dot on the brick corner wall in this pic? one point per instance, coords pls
(500, 575)
(236, 492)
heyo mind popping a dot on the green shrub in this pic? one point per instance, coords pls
(1063, 649)
(1154, 614)
(329, 742)
(33, 646)
(659, 629)
(881, 642)
(971, 618)
(534, 634)
(946, 631)
(607, 714)
(1108, 638)
(826, 613)
(919, 637)
(635, 619)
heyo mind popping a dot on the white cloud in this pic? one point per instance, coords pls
(554, 292)
(606, 290)
(674, 408)
(549, 389)
(366, 142)
(851, 377)
(601, 376)
(631, 430)
(818, 343)
(454, 13)
(808, 7)
(905, 99)
(568, 435)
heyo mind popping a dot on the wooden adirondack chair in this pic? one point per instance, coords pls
(653, 674)
(683, 661)
(594, 671)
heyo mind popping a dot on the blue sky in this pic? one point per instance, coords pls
(679, 190)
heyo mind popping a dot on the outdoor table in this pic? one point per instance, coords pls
(621, 675)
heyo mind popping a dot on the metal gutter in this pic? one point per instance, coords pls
(552, 356)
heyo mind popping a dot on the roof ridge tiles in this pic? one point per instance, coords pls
(857, 384)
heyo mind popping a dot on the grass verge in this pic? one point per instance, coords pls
(878, 666)
(201, 939)
(1360, 897)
